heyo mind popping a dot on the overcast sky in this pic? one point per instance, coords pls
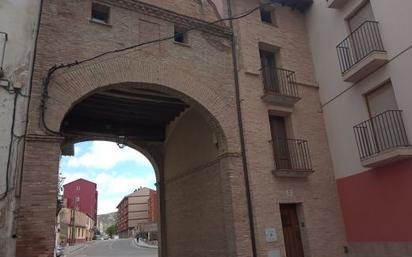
(117, 172)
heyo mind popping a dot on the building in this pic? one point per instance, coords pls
(81, 195)
(362, 57)
(229, 114)
(138, 213)
(17, 50)
(75, 227)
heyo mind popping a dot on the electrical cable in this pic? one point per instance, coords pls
(356, 83)
(56, 67)
(6, 191)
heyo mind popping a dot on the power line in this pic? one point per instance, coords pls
(356, 83)
(53, 69)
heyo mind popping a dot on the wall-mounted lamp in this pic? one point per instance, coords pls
(121, 141)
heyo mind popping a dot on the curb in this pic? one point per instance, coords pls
(144, 245)
(75, 250)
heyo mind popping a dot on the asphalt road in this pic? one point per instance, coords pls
(114, 247)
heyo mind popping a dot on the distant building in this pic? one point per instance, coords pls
(74, 227)
(81, 195)
(138, 213)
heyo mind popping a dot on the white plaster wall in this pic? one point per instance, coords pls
(326, 28)
(18, 18)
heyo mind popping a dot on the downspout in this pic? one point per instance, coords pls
(241, 134)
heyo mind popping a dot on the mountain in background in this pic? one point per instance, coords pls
(106, 220)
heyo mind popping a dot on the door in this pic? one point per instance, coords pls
(386, 129)
(280, 142)
(291, 230)
(269, 72)
(362, 40)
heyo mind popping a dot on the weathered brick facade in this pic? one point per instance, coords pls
(199, 166)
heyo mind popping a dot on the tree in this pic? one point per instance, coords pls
(60, 193)
(110, 231)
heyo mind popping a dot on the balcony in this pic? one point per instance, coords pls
(280, 86)
(292, 158)
(336, 4)
(362, 52)
(382, 139)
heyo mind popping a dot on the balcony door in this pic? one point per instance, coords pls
(362, 39)
(269, 72)
(280, 142)
(385, 127)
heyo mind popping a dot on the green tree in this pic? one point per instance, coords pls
(110, 231)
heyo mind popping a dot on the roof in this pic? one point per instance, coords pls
(80, 179)
(137, 192)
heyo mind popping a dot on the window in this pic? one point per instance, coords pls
(265, 15)
(381, 99)
(77, 199)
(78, 188)
(100, 13)
(280, 141)
(364, 13)
(269, 74)
(180, 35)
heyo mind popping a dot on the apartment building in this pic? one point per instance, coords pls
(81, 195)
(138, 213)
(74, 227)
(363, 58)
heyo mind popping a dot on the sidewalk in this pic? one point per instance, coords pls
(74, 248)
(141, 243)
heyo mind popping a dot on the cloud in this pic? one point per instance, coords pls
(117, 172)
(106, 155)
(112, 186)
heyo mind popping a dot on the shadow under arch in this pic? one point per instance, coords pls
(192, 103)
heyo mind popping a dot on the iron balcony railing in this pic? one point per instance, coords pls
(291, 154)
(279, 81)
(363, 41)
(382, 132)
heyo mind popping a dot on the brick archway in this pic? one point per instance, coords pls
(207, 186)
(185, 177)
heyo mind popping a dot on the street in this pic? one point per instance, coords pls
(115, 247)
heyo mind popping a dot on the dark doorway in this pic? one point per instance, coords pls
(291, 231)
(280, 142)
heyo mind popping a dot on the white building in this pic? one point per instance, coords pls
(18, 30)
(363, 60)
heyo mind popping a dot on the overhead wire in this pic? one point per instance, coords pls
(53, 69)
(356, 83)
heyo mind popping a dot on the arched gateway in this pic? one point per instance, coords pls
(173, 101)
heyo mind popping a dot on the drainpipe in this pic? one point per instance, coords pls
(241, 134)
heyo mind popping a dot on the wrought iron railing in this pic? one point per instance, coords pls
(279, 81)
(363, 41)
(291, 154)
(382, 132)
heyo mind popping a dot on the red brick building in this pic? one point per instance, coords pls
(81, 195)
(137, 212)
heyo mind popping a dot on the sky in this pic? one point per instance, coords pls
(117, 172)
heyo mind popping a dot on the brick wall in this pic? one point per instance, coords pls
(206, 212)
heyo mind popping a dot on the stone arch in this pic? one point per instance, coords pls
(71, 85)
